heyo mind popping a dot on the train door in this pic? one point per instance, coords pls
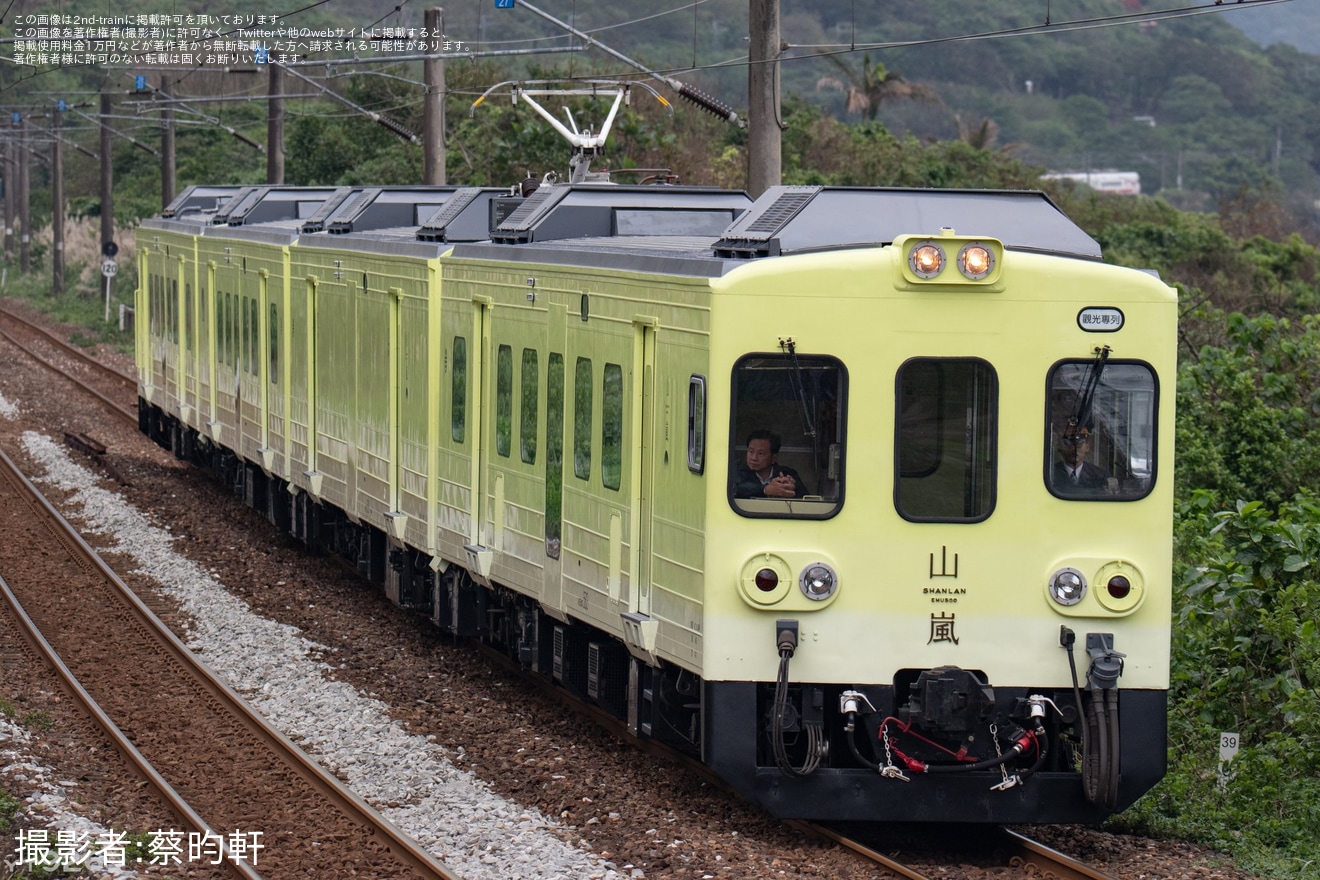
(229, 359)
(188, 343)
(643, 473)
(270, 306)
(552, 592)
(598, 509)
(174, 371)
(251, 394)
(472, 328)
(210, 364)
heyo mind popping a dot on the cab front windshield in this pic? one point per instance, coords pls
(786, 456)
(1101, 442)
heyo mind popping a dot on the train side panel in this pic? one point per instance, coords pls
(589, 510)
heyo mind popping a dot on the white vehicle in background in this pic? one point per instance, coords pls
(1123, 183)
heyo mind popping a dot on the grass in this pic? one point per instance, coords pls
(9, 808)
(81, 303)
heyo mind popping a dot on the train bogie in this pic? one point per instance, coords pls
(841, 489)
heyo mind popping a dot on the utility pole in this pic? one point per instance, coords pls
(107, 174)
(167, 166)
(764, 145)
(57, 206)
(433, 111)
(11, 193)
(275, 125)
(24, 198)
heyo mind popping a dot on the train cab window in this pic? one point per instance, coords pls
(458, 392)
(582, 419)
(1100, 442)
(787, 436)
(527, 412)
(503, 400)
(945, 443)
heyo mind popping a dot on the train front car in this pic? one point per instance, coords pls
(938, 558)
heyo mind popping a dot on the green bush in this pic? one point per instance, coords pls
(1246, 659)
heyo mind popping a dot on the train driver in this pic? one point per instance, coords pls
(762, 476)
(1073, 474)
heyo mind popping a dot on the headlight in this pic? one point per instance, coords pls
(975, 260)
(1067, 586)
(818, 581)
(926, 259)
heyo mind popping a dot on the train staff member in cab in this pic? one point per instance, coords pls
(1073, 474)
(762, 476)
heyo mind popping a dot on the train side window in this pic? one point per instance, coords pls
(231, 330)
(222, 324)
(527, 412)
(174, 310)
(611, 427)
(582, 419)
(786, 445)
(274, 344)
(458, 391)
(696, 426)
(503, 400)
(946, 436)
(254, 336)
(1100, 439)
(188, 310)
(554, 452)
(244, 342)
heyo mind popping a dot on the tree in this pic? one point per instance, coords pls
(870, 87)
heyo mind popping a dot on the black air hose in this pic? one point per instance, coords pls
(857, 753)
(989, 763)
(1096, 762)
(1111, 699)
(814, 734)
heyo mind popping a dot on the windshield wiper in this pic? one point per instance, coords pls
(799, 387)
(1081, 416)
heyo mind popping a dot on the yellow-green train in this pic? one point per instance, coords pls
(862, 495)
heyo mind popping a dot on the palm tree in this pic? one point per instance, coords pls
(872, 86)
(982, 135)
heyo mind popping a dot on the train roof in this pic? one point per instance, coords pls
(284, 215)
(797, 219)
(384, 207)
(192, 210)
(199, 199)
(401, 241)
(589, 210)
(806, 219)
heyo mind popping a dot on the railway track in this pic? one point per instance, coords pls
(116, 389)
(221, 768)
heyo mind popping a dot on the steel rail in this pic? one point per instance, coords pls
(127, 412)
(408, 851)
(72, 351)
